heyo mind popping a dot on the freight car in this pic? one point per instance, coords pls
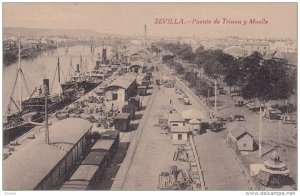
(89, 174)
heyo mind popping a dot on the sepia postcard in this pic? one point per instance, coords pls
(150, 97)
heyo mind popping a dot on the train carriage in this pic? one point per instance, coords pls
(89, 173)
(111, 134)
(84, 178)
(109, 146)
(96, 157)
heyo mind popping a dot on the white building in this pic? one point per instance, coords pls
(180, 134)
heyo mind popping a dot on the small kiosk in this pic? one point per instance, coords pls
(273, 172)
(122, 122)
(180, 135)
(196, 124)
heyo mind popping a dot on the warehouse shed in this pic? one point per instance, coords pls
(52, 162)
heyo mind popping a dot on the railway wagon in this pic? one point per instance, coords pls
(109, 146)
(82, 179)
(89, 173)
(108, 142)
(111, 134)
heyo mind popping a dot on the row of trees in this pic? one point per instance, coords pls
(257, 77)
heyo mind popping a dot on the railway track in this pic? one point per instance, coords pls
(123, 171)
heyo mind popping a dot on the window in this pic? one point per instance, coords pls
(175, 125)
(179, 136)
(114, 96)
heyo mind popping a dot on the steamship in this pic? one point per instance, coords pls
(83, 83)
(79, 83)
(30, 111)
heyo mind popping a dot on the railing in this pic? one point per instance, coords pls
(252, 182)
(200, 172)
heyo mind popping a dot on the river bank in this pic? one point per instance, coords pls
(11, 56)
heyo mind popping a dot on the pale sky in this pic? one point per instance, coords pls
(129, 18)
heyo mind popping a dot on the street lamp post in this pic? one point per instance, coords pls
(215, 95)
(260, 132)
(208, 102)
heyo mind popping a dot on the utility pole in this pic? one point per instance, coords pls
(195, 79)
(46, 85)
(215, 95)
(260, 131)
(208, 102)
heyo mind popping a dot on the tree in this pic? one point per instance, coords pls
(190, 77)
(249, 65)
(179, 68)
(270, 80)
(232, 76)
(199, 50)
(266, 79)
(167, 58)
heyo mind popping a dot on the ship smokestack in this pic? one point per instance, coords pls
(103, 55)
(97, 64)
(46, 84)
(77, 68)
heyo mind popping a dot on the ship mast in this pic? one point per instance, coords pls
(58, 72)
(19, 73)
(18, 82)
(91, 60)
(71, 68)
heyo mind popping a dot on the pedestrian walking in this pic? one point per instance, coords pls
(231, 117)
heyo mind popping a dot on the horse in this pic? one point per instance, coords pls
(239, 117)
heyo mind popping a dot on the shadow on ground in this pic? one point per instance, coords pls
(112, 170)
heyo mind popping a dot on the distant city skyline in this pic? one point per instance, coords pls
(130, 18)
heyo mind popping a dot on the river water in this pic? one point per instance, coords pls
(44, 66)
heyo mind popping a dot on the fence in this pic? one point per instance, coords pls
(252, 182)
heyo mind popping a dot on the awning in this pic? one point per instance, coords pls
(193, 114)
(194, 121)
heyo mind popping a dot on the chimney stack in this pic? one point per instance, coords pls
(77, 68)
(46, 84)
(103, 55)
